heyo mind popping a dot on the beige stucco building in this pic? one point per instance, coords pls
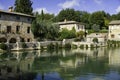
(70, 24)
(114, 30)
(15, 27)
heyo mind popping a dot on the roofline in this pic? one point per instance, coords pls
(16, 13)
(68, 22)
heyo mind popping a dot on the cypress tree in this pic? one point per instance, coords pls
(23, 6)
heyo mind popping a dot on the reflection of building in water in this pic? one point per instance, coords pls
(114, 57)
(96, 52)
(16, 63)
(73, 63)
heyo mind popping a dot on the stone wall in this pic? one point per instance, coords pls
(12, 21)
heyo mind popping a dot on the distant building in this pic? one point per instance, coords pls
(15, 27)
(71, 24)
(114, 30)
(102, 37)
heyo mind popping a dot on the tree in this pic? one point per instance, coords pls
(68, 14)
(96, 28)
(67, 34)
(81, 34)
(97, 18)
(45, 30)
(44, 17)
(23, 6)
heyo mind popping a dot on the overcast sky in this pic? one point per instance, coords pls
(54, 6)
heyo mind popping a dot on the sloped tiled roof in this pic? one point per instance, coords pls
(16, 13)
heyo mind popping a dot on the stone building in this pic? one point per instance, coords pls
(71, 24)
(15, 27)
(114, 30)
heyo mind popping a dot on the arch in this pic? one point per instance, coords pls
(12, 40)
(3, 40)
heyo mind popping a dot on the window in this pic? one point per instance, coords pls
(8, 29)
(22, 40)
(17, 29)
(28, 19)
(17, 17)
(28, 40)
(112, 35)
(28, 30)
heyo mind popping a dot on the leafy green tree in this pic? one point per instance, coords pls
(95, 28)
(44, 16)
(23, 6)
(97, 18)
(45, 30)
(68, 14)
(67, 34)
(80, 35)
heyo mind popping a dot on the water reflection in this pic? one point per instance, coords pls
(77, 64)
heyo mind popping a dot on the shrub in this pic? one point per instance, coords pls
(3, 46)
(68, 46)
(24, 45)
(50, 46)
(67, 34)
(74, 46)
(82, 46)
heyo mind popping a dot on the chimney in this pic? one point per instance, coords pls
(10, 9)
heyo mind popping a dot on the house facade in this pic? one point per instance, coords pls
(71, 24)
(15, 27)
(114, 30)
(102, 37)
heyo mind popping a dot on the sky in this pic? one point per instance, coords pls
(55, 6)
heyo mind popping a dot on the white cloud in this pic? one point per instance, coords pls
(98, 1)
(40, 9)
(118, 9)
(69, 4)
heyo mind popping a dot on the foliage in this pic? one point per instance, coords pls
(67, 34)
(95, 28)
(68, 46)
(74, 46)
(95, 40)
(63, 14)
(97, 18)
(23, 6)
(80, 34)
(82, 46)
(44, 16)
(50, 46)
(24, 45)
(3, 46)
(45, 30)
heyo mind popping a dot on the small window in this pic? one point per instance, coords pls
(28, 19)
(112, 35)
(17, 17)
(17, 29)
(22, 40)
(8, 29)
(28, 30)
(28, 40)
